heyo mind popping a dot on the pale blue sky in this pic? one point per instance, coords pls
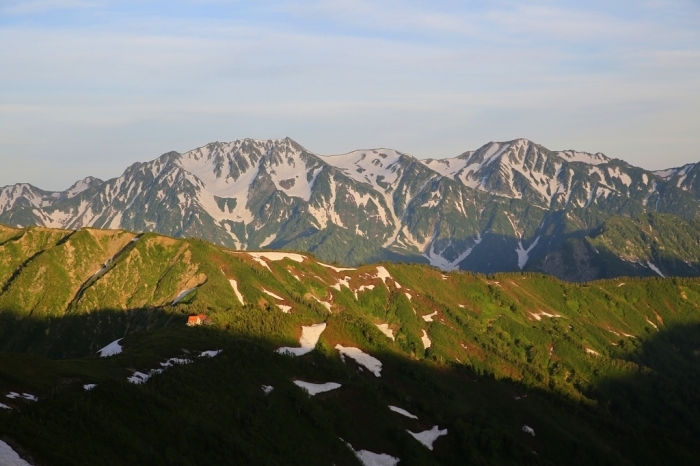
(89, 87)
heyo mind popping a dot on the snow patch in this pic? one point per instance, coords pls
(538, 315)
(384, 328)
(182, 295)
(4, 406)
(524, 254)
(426, 341)
(267, 389)
(367, 458)
(111, 349)
(89, 386)
(277, 256)
(374, 365)
(655, 269)
(9, 457)
(210, 353)
(429, 317)
(529, 430)
(337, 269)
(428, 437)
(383, 274)
(316, 388)
(270, 293)
(234, 285)
(402, 412)
(309, 338)
(325, 304)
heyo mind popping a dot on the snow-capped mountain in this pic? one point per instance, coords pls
(506, 206)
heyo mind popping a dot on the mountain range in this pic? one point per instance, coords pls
(507, 206)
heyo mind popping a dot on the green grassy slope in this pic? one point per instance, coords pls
(605, 372)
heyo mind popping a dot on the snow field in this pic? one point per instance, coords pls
(372, 364)
(4, 406)
(429, 317)
(89, 386)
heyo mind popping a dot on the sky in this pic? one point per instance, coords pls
(90, 87)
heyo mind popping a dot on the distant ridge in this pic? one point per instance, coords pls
(512, 205)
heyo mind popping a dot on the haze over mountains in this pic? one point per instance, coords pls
(507, 206)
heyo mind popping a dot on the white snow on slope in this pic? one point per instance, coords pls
(111, 349)
(591, 159)
(367, 458)
(383, 274)
(538, 315)
(268, 240)
(374, 365)
(4, 406)
(426, 341)
(524, 254)
(384, 328)
(285, 309)
(138, 378)
(316, 388)
(337, 269)
(202, 165)
(234, 285)
(529, 430)
(89, 386)
(309, 338)
(182, 295)
(437, 260)
(270, 293)
(267, 389)
(428, 437)
(655, 269)
(26, 396)
(209, 353)
(403, 412)
(278, 256)
(429, 317)
(9, 457)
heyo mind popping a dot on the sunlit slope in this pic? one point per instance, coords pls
(602, 363)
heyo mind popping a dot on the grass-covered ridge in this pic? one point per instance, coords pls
(605, 372)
